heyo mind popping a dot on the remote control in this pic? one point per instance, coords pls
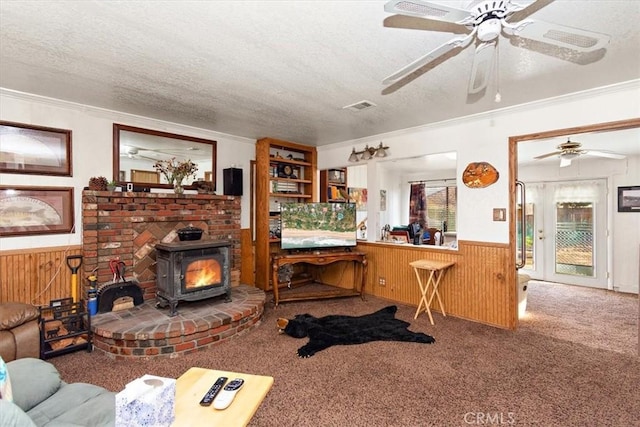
(229, 391)
(213, 391)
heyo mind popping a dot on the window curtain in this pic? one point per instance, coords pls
(578, 191)
(418, 204)
(433, 207)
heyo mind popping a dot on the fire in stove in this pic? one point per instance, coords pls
(205, 272)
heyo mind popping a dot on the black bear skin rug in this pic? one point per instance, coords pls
(327, 331)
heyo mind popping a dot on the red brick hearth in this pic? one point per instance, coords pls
(145, 332)
(127, 225)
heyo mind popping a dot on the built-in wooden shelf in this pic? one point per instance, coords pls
(285, 171)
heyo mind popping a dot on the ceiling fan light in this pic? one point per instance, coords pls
(570, 156)
(489, 29)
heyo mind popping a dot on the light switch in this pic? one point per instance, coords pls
(499, 214)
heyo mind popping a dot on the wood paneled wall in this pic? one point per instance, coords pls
(481, 286)
(36, 276)
(247, 263)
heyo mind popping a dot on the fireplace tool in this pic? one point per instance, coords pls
(117, 268)
(74, 262)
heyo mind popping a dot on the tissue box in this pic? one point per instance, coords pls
(146, 401)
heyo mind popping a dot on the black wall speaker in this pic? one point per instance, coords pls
(232, 179)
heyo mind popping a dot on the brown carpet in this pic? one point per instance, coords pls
(472, 375)
(594, 317)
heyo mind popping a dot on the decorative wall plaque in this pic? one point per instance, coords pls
(479, 175)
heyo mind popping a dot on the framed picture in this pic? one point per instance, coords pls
(629, 199)
(28, 149)
(359, 197)
(399, 236)
(27, 211)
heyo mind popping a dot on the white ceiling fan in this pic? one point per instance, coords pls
(569, 150)
(487, 20)
(155, 154)
(134, 153)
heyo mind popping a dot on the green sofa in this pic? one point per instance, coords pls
(41, 398)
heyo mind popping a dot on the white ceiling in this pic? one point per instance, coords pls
(285, 69)
(625, 142)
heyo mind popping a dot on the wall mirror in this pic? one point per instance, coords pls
(136, 150)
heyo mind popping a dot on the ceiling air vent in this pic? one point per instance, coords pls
(359, 106)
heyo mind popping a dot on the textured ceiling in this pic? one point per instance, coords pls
(285, 69)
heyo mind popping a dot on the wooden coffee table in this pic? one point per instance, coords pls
(192, 386)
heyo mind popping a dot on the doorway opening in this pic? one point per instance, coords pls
(559, 223)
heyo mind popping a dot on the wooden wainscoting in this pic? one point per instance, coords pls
(480, 286)
(36, 276)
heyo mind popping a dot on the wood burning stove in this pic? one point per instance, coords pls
(191, 271)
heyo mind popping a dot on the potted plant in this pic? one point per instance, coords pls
(175, 172)
(112, 185)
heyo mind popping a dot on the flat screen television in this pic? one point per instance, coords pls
(317, 225)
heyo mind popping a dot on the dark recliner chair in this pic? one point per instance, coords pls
(19, 331)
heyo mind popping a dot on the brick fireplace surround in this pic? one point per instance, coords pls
(127, 225)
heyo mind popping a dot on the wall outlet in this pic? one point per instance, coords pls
(382, 281)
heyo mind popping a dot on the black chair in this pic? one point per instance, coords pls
(432, 237)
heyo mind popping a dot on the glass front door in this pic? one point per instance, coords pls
(566, 231)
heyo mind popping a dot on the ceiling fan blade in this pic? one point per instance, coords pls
(436, 53)
(425, 9)
(557, 35)
(544, 156)
(482, 67)
(137, 157)
(564, 162)
(605, 154)
(518, 5)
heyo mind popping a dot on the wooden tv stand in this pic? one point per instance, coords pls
(319, 258)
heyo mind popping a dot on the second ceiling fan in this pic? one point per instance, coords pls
(487, 20)
(569, 150)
